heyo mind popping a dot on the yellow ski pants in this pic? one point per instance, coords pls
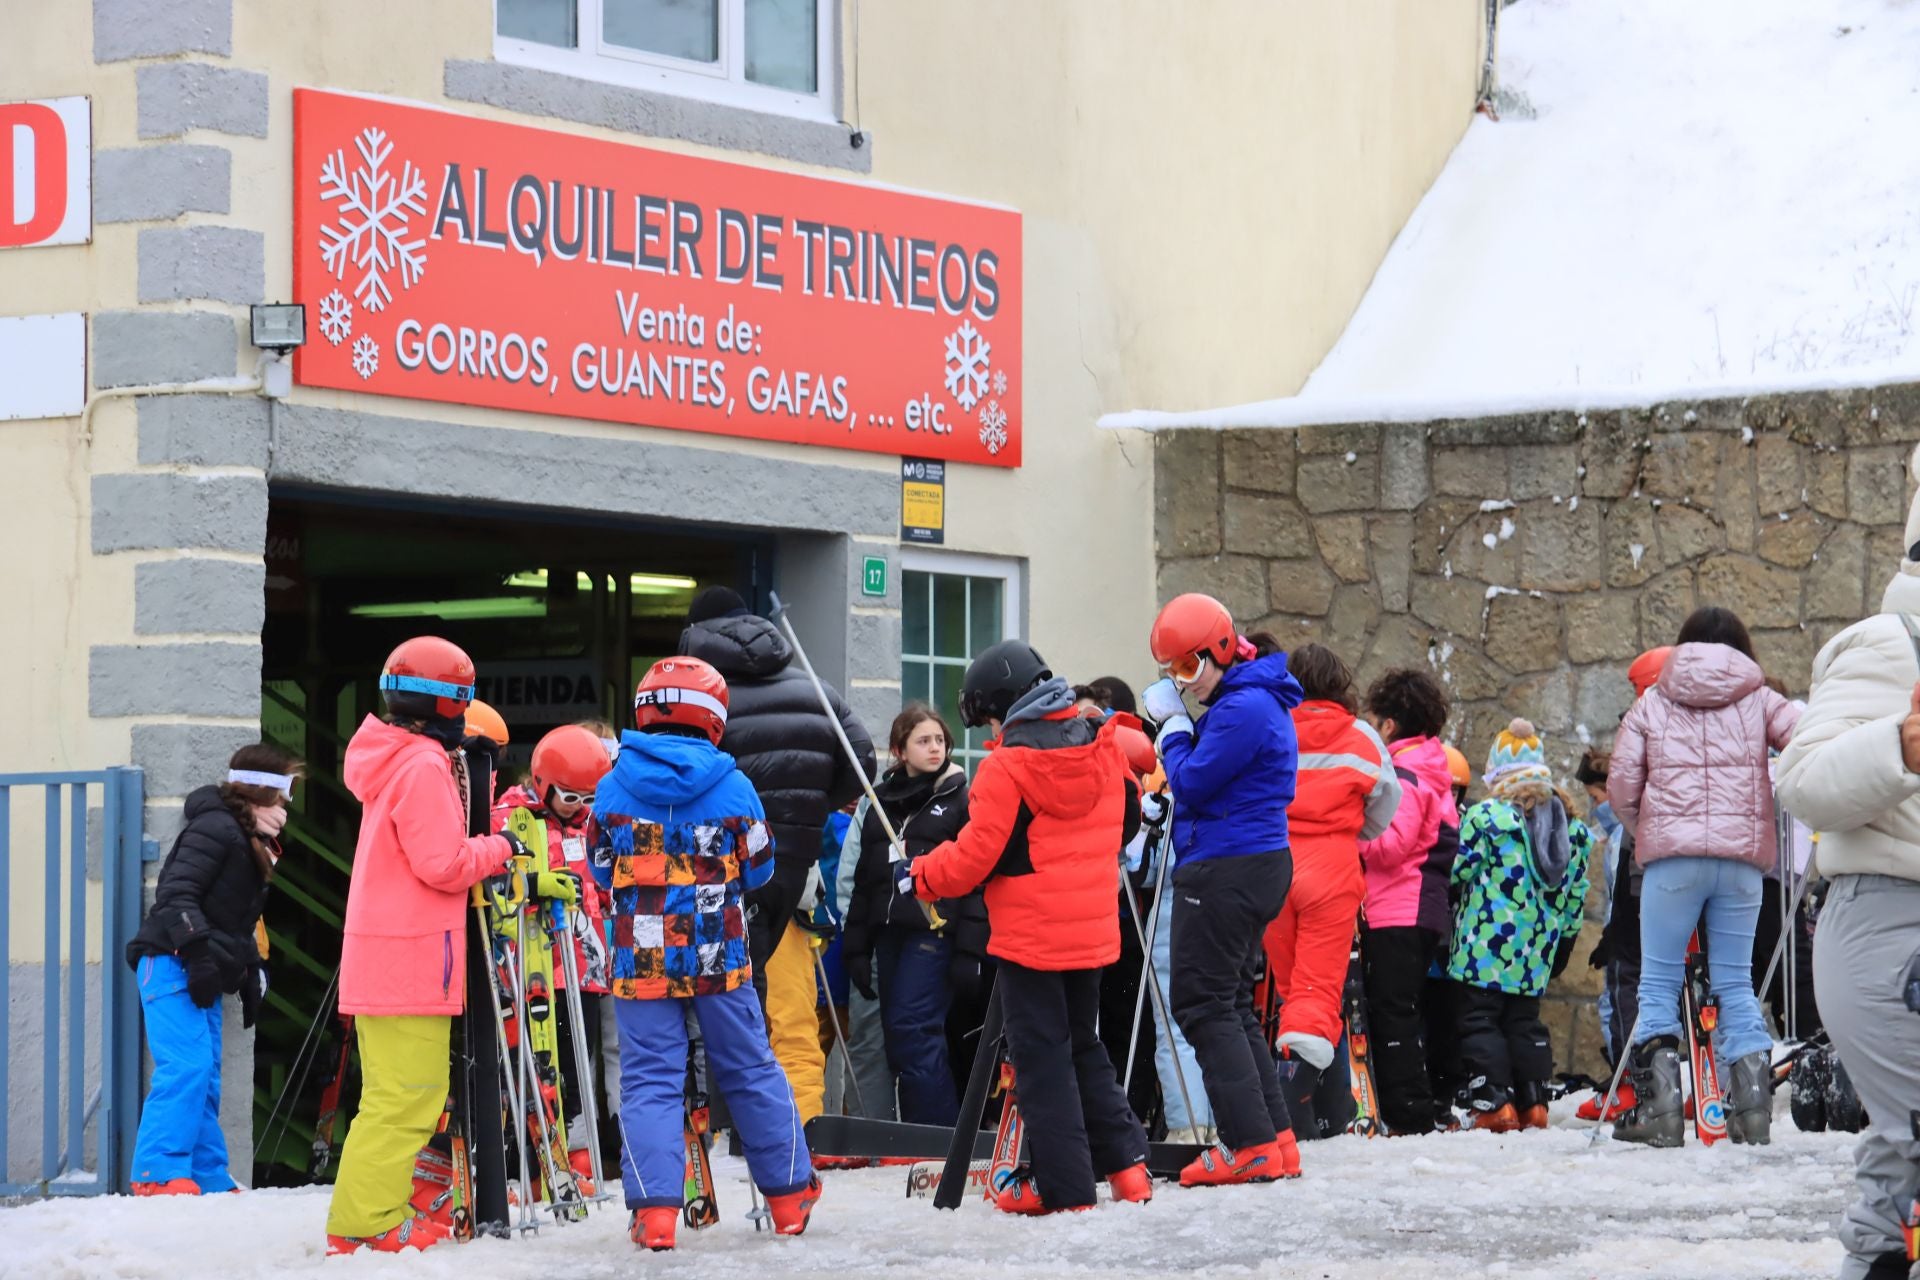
(404, 1079)
(793, 1020)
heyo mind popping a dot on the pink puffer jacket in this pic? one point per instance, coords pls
(1689, 773)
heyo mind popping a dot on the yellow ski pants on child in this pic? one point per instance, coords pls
(404, 1079)
(793, 1020)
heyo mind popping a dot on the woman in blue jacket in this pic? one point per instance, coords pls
(1232, 778)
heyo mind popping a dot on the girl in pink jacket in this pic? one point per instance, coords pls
(1689, 779)
(403, 956)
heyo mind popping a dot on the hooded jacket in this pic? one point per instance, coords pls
(1523, 881)
(1232, 777)
(1408, 867)
(926, 812)
(404, 946)
(1689, 774)
(1345, 791)
(680, 839)
(1844, 774)
(1048, 812)
(778, 734)
(210, 893)
(569, 845)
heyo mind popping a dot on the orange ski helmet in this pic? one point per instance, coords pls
(428, 678)
(1457, 765)
(681, 691)
(571, 758)
(1646, 669)
(1189, 627)
(484, 722)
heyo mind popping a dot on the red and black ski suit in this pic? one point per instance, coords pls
(1050, 808)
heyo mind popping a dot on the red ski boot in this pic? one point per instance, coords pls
(652, 1228)
(171, 1187)
(1622, 1103)
(1267, 1162)
(792, 1211)
(582, 1164)
(1020, 1194)
(1132, 1185)
(1502, 1119)
(411, 1233)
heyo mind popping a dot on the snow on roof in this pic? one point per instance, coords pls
(1720, 197)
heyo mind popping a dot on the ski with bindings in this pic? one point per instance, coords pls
(1007, 1139)
(1701, 1010)
(479, 1142)
(323, 1123)
(701, 1207)
(1366, 1099)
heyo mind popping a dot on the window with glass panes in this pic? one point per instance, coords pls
(946, 618)
(751, 49)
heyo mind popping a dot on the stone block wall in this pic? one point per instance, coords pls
(1526, 560)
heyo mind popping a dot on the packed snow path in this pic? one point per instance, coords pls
(1527, 1205)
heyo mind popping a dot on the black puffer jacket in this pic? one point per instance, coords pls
(927, 812)
(211, 887)
(780, 737)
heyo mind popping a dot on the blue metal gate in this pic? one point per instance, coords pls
(80, 1079)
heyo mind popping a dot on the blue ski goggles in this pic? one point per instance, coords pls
(419, 684)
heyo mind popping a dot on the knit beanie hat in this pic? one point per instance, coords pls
(1517, 753)
(716, 602)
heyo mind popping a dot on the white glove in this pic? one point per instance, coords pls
(1163, 701)
(1153, 809)
(1177, 724)
(1135, 851)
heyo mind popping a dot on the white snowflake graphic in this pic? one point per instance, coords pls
(373, 219)
(336, 317)
(967, 360)
(999, 382)
(993, 427)
(366, 356)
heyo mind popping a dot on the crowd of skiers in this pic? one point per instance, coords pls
(1257, 841)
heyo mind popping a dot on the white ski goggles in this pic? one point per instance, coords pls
(281, 782)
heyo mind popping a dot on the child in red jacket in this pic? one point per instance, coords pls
(1048, 810)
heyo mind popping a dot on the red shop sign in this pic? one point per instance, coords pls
(442, 257)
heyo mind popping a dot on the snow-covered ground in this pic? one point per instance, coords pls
(1531, 1205)
(1714, 196)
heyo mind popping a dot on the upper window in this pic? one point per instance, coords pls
(769, 54)
(952, 607)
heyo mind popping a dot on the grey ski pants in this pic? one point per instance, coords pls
(1868, 934)
(872, 1094)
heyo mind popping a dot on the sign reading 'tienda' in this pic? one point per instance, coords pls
(456, 259)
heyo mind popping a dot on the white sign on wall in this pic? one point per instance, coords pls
(43, 366)
(46, 172)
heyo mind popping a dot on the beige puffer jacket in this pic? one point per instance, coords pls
(1689, 773)
(1844, 775)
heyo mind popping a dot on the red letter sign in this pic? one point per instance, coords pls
(44, 172)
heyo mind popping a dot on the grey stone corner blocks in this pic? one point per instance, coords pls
(158, 183)
(216, 264)
(141, 348)
(125, 29)
(174, 97)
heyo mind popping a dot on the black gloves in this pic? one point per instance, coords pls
(203, 973)
(856, 956)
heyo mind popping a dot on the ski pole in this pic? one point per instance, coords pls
(301, 1067)
(897, 847)
(530, 1081)
(582, 1062)
(840, 1037)
(1779, 948)
(1159, 1001)
(1613, 1086)
(505, 1065)
(1147, 970)
(758, 1214)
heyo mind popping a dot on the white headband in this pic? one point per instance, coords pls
(667, 697)
(281, 782)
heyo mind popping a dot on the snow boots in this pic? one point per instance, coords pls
(581, 1162)
(171, 1187)
(1656, 1118)
(1267, 1162)
(792, 1210)
(1530, 1100)
(411, 1233)
(1622, 1103)
(1132, 1185)
(1492, 1111)
(1299, 1080)
(653, 1227)
(1750, 1099)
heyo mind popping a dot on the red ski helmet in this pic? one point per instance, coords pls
(1645, 671)
(571, 758)
(484, 722)
(681, 691)
(1137, 747)
(428, 678)
(1193, 626)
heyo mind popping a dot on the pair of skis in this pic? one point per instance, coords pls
(1366, 1097)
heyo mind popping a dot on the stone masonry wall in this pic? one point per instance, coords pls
(1527, 560)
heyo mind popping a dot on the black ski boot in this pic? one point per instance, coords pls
(1655, 1118)
(1845, 1112)
(1890, 1266)
(1299, 1080)
(1808, 1082)
(1750, 1099)
(1530, 1100)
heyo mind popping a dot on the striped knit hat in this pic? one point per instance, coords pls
(1517, 754)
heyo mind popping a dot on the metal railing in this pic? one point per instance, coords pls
(72, 1092)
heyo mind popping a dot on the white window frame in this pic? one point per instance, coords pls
(963, 564)
(723, 83)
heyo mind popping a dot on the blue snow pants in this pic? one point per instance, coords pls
(653, 1081)
(180, 1123)
(911, 965)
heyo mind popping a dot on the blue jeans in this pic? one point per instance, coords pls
(1673, 895)
(1173, 1099)
(653, 1083)
(180, 1123)
(915, 994)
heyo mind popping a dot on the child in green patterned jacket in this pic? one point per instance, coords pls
(1521, 878)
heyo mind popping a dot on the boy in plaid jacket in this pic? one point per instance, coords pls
(681, 840)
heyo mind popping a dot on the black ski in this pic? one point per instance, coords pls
(478, 1091)
(973, 1108)
(851, 1137)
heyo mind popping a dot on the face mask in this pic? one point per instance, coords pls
(448, 731)
(268, 821)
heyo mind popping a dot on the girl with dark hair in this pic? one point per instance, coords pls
(924, 795)
(1689, 781)
(1346, 792)
(197, 944)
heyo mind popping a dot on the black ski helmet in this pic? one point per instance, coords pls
(997, 678)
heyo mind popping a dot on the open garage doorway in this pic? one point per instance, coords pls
(561, 612)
